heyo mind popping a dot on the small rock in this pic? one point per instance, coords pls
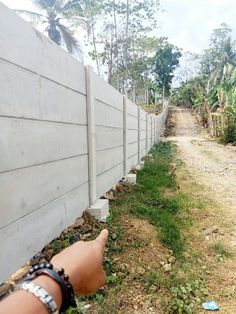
(123, 267)
(186, 255)
(35, 260)
(140, 270)
(78, 223)
(62, 237)
(167, 267)
(87, 306)
(19, 274)
(114, 236)
(221, 232)
(85, 236)
(48, 254)
(171, 260)
(153, 288)
(162, 263)
(4, 289)
(211, 230)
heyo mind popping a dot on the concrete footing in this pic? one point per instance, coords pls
(100, 210)
(139, 166)
(131, 178)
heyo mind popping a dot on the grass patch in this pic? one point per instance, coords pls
(147, 199)
(185, 298)
(221, 249)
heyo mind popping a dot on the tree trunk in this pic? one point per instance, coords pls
(116, 41)
(95, 50)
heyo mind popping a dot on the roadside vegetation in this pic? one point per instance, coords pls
(212, 92)
(151, 261)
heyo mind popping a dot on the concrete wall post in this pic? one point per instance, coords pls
(146, 143)
(139, 135)
(91, 136)
(125, 143)
(151, 131)
(155, 129)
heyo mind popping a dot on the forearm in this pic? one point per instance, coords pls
(82, 262)
(24, 302)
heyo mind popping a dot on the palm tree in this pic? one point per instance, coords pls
(227, 62)
(52, 15)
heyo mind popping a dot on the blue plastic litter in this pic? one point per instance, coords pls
(211, 306)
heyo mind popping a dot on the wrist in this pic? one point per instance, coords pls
(73, 274)
(51, 286)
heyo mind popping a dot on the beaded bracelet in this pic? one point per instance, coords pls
(68, 297)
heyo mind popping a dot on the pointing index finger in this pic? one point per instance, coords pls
(102, 238)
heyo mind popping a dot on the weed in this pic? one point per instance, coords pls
(147, 199)
(153, 278)
(179, 162)
(114, 280)
(70, 238)
(56, 246)
(186, 298)
(220, 249)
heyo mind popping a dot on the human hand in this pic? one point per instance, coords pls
(83, 263)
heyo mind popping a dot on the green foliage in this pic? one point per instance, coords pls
(125, 40)
(220, 249)
(186, 298)
(56, 246)
(214, 55)
(147, 201)
(69, 239)
(229, 135)
(53, 13)
(215, 89)
(153, 278)
(165, 61)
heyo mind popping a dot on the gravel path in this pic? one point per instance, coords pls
(214, 165)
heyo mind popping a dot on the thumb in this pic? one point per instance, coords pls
(102, 238)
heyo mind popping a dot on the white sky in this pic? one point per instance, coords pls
(187, 23)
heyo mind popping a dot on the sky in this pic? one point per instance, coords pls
(187, 23)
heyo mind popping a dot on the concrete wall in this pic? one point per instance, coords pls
(66, 137)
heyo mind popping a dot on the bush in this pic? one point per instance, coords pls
(230, 131)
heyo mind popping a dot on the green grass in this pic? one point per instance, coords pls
(156, 198)
(220, 249)
(147, 200)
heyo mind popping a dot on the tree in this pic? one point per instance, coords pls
(166, 60)
(212, 56)
(118, 39)
(57, 16)
(93, 11)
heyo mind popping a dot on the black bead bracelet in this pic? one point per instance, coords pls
(68, 297)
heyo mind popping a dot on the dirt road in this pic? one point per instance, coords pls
(213, 166)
